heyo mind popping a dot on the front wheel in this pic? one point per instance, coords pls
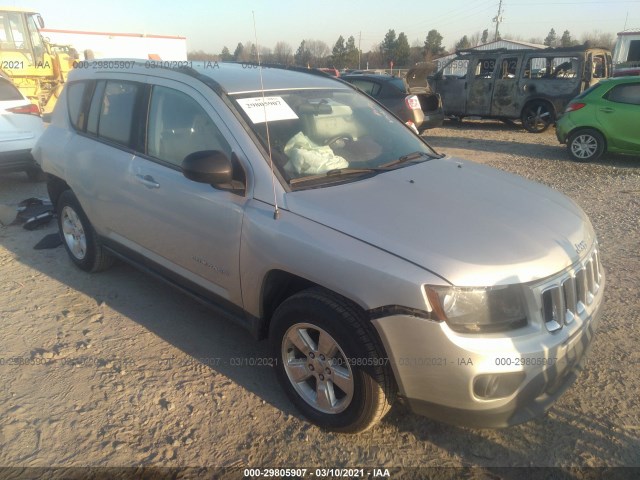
(330, 363)
(537, 117)
(78, 236)
(586, 145)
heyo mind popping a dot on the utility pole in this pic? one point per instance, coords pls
(498, 19)
(359, 51)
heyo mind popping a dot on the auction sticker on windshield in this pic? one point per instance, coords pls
(273, 108)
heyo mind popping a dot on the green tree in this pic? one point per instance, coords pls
(433, 44)
(403, 50)
(352, 54)
(339, 53)
(552, 39)
(485, 35)
(388, 46)
(463, 43)
(237, 53)
(302, 56)
(225, 55)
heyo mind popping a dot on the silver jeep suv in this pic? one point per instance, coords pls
(300, 208)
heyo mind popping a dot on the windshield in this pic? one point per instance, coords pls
(316, 132)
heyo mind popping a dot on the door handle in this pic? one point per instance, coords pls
(147, 181)
(607, 110)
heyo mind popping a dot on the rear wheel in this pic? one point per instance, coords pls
(330, 363)
(78, 236)
(537, 116)
(586, 145)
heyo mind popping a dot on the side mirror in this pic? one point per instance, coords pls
(40, 21)
(208, 166)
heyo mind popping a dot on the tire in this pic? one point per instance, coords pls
(316, 331)
(36, 174)
(537, 116)
(586, 145)
(78, 236)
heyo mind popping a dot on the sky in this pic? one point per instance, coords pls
(210, 25)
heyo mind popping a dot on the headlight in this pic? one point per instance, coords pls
(476, 310)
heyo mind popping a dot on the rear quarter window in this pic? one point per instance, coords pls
(75, 95)
(367, 86)
(399, 84)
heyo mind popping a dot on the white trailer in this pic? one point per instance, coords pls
(626, 54)
(120, 45)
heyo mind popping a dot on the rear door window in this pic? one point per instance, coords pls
(508, 67)
(94, 110)
(116, 112)
(626, 93)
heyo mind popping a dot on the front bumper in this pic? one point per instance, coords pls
(448, 376)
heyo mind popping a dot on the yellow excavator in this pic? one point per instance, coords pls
(37, 68)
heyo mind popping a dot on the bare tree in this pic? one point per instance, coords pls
(599, 39)
(202, 55)
(282, 53)
(318, 50)
(474, 40)
(374, 58)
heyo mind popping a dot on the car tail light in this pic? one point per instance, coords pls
(412, 102)
(30, 109)
(572, 107)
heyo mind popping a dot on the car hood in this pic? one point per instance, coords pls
(469, 223)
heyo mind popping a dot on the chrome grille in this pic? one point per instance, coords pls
(563, 302)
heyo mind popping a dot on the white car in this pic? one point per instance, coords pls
(20, 128)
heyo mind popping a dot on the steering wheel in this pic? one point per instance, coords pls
(345, 137)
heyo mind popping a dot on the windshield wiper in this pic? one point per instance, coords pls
(337, 172)
(410, 157)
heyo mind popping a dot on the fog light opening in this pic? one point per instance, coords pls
(497, 385)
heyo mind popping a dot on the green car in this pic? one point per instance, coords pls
(603, 118)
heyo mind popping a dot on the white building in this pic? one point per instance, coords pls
(508, 44)
(120, 45)
(627, 47)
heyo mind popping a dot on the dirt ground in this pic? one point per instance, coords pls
(116, 369)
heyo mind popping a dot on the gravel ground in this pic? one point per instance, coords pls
(130, 372)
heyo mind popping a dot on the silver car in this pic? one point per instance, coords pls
(298, 207)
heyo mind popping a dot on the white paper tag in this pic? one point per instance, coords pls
(276, 109)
